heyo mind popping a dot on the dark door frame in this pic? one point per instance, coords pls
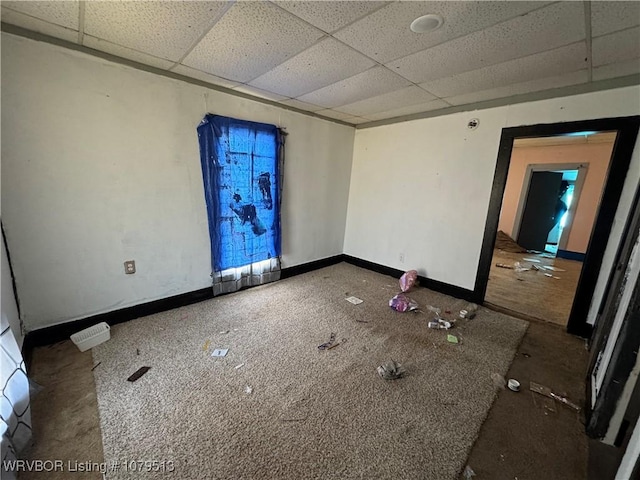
(627, 128)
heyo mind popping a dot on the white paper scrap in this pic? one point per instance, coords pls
(239, 366)
(553, 269)
(534, 260)
(220, 352)
(354, 300)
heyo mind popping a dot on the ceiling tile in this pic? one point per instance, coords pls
(309, 107)
(31, 23)
(256, 92)
(124, 52)
(330, 16)
(205, 77)
(385, 35)
(616, 47)
(251, 39)
(609, 17)
(613, 70)
(375, 81)
(541, 65)
(521, 88)
(545, 29)
(63, 13)
(410, 110)
(163, 29)
(334, 114)
(324, 63)
(398, 98)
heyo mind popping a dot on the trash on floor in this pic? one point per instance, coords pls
(362, 321)
(95, 366)
(248, 389)
(469, 311)
(354, 300)
(468, 473)
(219, 352)
(513, 385)
(435, 310)
(546, 391)
(336, 344)
(498, 380)
(138, 373)
(408, 280)
(325, 346)
(534, 260)
(137, 351)
(553, 269)
(205, 347)
(224, 332)
(502, 265)
(452, 339)
(391, 370)
(402, 303)
(237, 367)
(440, 323)
(92, 336)
(517, 266)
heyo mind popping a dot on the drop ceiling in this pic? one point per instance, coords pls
(358, 61)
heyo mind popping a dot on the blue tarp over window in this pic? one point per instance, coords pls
(241, 182)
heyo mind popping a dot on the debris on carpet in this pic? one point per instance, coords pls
(205, 347)
(391, 370)
(408, 280)
(138, 373)
(402, 303)
(469, 311)
(354, 300)
(220, 352)
(95, 366)
(452, 339)
(248, 389)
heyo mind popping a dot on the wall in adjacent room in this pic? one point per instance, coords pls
(595, 156)
(421, 188)
(101, 165)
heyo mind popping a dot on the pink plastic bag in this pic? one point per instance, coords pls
(408, 280)
(402, 303)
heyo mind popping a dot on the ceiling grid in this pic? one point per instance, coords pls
(358, 61)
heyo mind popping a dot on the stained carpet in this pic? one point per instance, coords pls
(311, 413)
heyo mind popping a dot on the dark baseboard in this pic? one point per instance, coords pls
(62, 331)
(57, 333)
(311, 266)
(571, 255)
(429, 283)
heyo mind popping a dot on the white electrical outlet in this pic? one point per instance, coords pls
(130, 267)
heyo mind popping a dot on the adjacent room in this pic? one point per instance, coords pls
(549, 208)
(320, 239)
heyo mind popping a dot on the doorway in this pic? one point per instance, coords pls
(589, 246)
(532, 275)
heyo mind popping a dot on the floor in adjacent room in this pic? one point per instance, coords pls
(524, 436)
(542, 294)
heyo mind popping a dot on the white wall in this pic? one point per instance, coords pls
(101, 165)
(422, 187)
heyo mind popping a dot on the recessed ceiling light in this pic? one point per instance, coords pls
(426, 23)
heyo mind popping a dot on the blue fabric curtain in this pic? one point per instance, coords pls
(240, 169)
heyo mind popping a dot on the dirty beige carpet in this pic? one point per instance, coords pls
(311, 414)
